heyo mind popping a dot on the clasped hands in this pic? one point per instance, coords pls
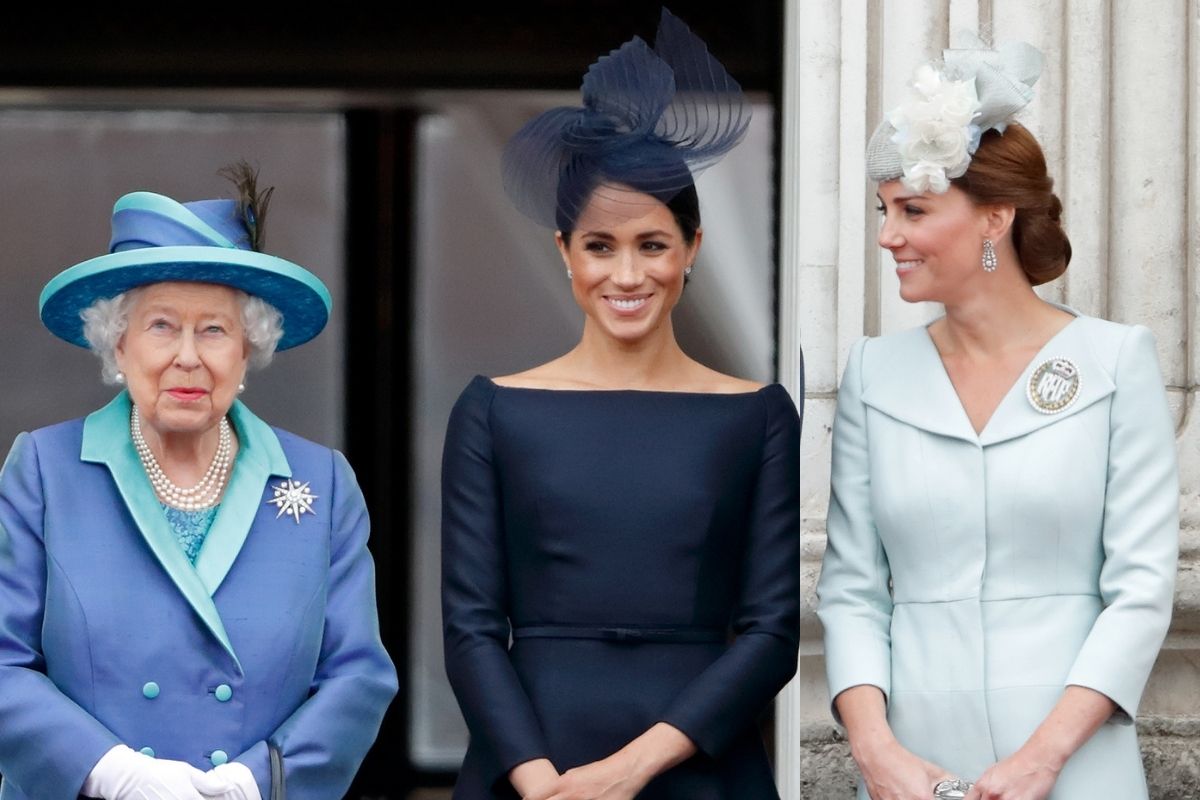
(621, 776)
(122, 774)
(893, 773)
(607, 779)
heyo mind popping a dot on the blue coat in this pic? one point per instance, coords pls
(1039, 553)
(109, 635)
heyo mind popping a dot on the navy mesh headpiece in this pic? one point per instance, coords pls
(651, 119)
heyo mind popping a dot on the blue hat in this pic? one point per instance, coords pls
(155, 239)
(651, 119)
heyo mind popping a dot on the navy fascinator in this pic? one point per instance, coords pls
(651, 120)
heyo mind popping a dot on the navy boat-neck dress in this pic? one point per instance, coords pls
(640, 551)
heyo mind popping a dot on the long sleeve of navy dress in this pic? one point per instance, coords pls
(613, 559)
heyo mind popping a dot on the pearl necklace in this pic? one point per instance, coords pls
(205, 493)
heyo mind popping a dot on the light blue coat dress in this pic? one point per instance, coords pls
(972, 577)
(108, 634)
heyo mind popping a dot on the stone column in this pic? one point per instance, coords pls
(1117, 111)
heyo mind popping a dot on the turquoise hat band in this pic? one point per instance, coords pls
(299, 295)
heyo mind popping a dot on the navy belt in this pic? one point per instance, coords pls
(618, 633)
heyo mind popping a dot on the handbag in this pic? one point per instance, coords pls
(278, 784)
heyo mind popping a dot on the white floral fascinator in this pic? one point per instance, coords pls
(930, 138)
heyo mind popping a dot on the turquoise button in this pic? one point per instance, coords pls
(218, 757)
(223, 693)
(150, 690)
(147, 751)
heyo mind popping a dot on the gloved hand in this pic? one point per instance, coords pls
(122, 774)
(230, 781)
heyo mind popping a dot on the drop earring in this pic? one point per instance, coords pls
(989, 256)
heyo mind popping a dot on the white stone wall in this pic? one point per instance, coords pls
(1117, 111)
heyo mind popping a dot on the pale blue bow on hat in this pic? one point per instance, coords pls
(1004, 79)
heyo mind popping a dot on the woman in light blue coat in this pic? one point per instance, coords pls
(1003, 527)
(187, 603)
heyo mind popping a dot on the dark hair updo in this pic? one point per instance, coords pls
(1010, 169)
(669, 181)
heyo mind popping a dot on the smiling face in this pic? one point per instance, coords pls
(627, 272)
(936, 240)
(183, 355)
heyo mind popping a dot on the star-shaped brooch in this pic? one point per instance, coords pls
(292, 498)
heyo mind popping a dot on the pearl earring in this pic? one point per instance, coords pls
(119, 378)
(687, 270)
(570, 275)
(241, 388)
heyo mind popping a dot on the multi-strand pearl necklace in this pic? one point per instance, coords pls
(204, 494)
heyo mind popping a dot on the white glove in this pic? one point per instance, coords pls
(122, 774)
(230, 781)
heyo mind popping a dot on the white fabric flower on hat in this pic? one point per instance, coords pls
(935, 131)
(925, 176)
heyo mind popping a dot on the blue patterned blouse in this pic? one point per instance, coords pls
(191, 527)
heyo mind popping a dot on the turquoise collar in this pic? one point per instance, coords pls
(106, 440)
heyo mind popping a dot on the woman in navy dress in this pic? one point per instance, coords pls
(621, 524)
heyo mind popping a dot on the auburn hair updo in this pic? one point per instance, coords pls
(1010, 169)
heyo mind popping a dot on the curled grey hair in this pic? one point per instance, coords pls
(105, 321)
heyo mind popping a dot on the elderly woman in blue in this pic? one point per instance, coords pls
(1003, 527)
(187, 603)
